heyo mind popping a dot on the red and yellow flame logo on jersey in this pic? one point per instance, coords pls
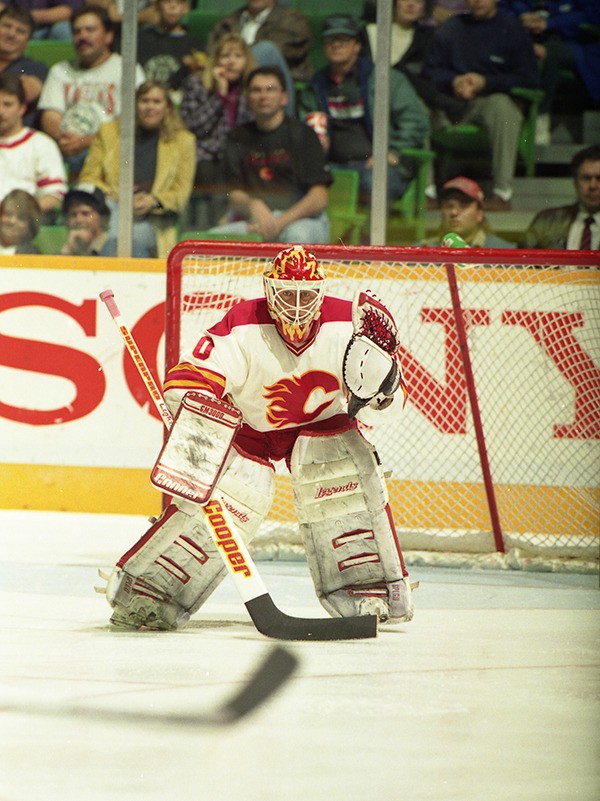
(300, 399)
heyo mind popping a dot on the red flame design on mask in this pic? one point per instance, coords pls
(289, 397)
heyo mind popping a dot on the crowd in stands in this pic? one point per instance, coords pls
(240, 128)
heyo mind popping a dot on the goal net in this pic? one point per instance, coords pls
(495, 459)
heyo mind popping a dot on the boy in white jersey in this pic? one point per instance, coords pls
(29, 159)
(288, 362)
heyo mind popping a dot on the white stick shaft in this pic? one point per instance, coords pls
(223, 531)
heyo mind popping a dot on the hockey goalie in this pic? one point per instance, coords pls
(301, 367)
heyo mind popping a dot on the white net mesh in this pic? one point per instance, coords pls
(533, 335)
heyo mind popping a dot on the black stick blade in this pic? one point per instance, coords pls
(272, 622)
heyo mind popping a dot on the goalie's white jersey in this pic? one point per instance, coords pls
(244, 357)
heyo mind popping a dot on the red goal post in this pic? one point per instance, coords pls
(495, 459)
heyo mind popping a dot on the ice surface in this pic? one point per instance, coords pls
(489, 694)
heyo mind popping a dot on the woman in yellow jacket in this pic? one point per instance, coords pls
(164, 164)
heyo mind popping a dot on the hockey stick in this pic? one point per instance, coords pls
(274, 670)
(267, 618)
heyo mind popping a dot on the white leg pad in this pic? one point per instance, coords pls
(171, 571)
(351, 544)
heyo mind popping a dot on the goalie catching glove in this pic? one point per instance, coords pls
(371, 369)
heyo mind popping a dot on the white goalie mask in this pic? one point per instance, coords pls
(294, 288)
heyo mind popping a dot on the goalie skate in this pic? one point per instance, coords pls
(168, 574)
(141, 605)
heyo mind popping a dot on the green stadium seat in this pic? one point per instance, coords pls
(51, 238)
(463, 141)
(412, 206)
(222, 7)
(50, 51)
(342, 208)
(326, 7)
(200, 22)
(347, 218)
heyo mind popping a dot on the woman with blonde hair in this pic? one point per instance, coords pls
(212, 103)
(163, 152)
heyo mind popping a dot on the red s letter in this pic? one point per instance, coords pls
(49, 359)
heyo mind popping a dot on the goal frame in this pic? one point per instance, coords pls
(446, 258)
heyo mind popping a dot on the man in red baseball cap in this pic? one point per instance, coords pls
(461, 204)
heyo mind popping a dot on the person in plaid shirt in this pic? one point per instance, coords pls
(212, 103)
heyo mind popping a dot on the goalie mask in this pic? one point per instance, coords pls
(294, 288)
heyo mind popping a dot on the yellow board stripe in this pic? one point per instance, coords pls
(58, 488)
(566, 511)
(85, 263)
(523, 509)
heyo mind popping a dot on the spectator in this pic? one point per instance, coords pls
(20, 215)
(212, 103)
(438, 11)
(461, 204)
(577, 226)
(279, 36)
(344, 90)
(51, 17)
(29, 159)
(79, 96)
(275, 169)
(147, 13)
(16, 27)
(162, 170)
(411, 38)
(563, 42)
(166, 51)
(479, 57)
(444, 9)
(87, 217)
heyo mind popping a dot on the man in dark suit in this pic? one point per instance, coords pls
(576, 226)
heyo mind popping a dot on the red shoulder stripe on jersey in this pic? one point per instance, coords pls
(335, 310)
(247, 312)
(29, 132)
